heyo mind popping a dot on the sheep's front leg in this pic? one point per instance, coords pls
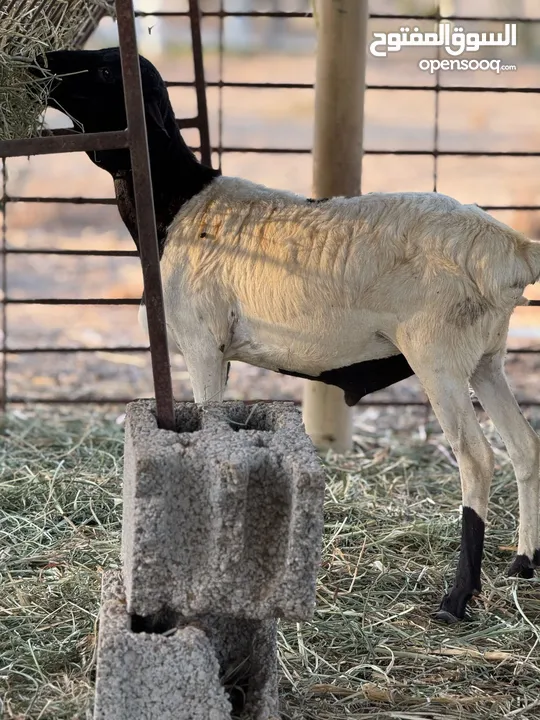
(522, 443)
(206, 367)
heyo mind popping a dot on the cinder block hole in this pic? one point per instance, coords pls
(237, 697)
(236, 684)
(250, 417)
(188, 419)
(162, 622)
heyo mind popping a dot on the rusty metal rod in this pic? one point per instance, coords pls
(48, 145)
(79, 143)
(22, 400)
(60, 200)
(70, 301)
(146, 221)
(308, 15)
(61, 251)
(100, 301)
(142, 349)
(112, 201)
(77, 349)
(242, 84)
(200, 86)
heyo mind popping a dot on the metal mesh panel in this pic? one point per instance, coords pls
(220, 151)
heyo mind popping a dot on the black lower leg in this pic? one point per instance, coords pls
(523, 566)
(467, 582)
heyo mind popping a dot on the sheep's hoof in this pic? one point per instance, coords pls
(454, 605)
(522, 567)
(445, 617)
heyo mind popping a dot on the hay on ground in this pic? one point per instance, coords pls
(372, 649)
(29, 28)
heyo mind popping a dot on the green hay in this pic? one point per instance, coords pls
(27, 30)
(372, 650)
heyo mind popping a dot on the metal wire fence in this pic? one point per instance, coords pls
(220, 149)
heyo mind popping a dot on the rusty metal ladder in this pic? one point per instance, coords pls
(134, 138)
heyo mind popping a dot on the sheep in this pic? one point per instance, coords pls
(404, 282)
(103, 109)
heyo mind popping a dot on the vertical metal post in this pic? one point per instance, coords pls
(221, 51)
(200, 83)
(146, 221)
(4, 290)
(337, 167)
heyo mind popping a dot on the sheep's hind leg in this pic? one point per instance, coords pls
(523, 446)
(448, 393)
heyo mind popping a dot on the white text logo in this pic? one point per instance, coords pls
(454, 43)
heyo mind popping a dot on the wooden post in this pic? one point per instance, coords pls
(337, 168)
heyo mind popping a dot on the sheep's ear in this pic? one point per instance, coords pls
(153, 112)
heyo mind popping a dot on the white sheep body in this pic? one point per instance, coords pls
(277, 281)
(283, 283)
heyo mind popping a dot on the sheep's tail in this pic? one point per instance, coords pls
(505, 261)
(500, 258)
(526, 256)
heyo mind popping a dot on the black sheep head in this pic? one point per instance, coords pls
(87, 86)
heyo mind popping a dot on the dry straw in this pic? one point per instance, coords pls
(29, 28)
(372, 649)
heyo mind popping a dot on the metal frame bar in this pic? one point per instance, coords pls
(146, 219)
(374, 86)
(144, 348)
(3, 279)
(135, 138)
(23, 400)
(200, 83)
(64, 143)
(112, 201)
(372, 16)
(110, 145)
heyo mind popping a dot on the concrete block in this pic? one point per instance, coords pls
(224, 516)
(143, 676)
(170, 667)
(247, 654)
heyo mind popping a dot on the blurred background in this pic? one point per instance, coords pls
(404, 124)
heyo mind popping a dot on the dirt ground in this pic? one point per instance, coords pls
(253, 118)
